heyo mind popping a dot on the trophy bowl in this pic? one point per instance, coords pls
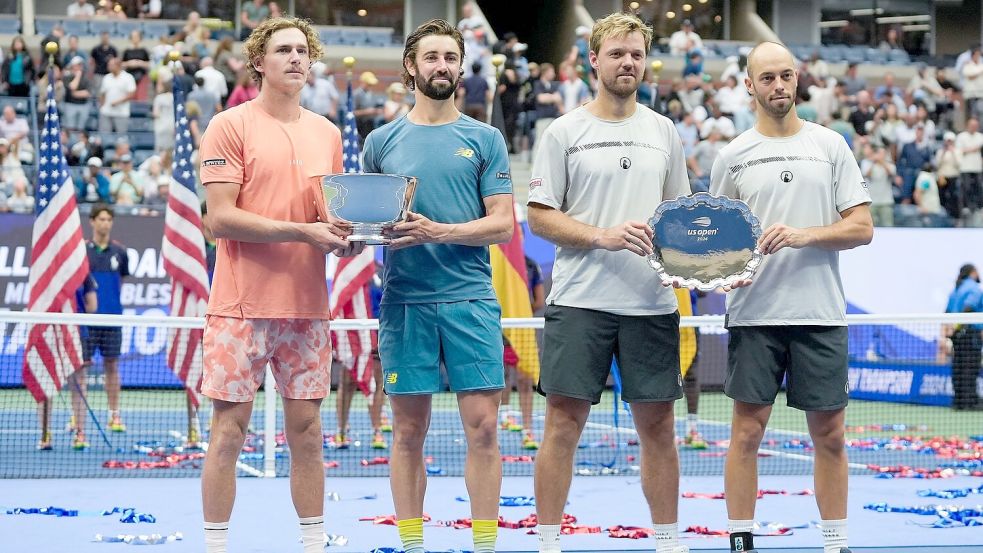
(371, 203)
(705, 241)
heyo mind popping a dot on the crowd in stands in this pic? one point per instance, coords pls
(918, 143)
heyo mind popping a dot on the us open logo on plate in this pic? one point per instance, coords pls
(702, 221)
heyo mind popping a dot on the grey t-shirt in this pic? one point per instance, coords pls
(604, 173)
(804, 180)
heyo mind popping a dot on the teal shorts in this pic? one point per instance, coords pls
(465, 337)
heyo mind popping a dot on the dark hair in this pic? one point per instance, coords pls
(432, 27)
(199, 81)
(476, 67)
(204, 208)
(964, 272)
(99, 208)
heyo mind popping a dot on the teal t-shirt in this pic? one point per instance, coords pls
(457, 165)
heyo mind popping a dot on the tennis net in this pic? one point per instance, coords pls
(900, 420)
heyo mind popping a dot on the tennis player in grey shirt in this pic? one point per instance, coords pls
(803, 183)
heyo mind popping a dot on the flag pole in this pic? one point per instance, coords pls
(194, 425)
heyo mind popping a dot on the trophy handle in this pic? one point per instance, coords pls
(319, 205)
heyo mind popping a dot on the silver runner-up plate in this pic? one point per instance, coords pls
(704, 241)
(371, 202)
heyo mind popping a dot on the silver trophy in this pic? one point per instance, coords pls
(705, 241)
(371, 203)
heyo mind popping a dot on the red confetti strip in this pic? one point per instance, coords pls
(761, 494)
(388, 520)
(630, 532)
(518, 459)
(375, 461)
(169, 461)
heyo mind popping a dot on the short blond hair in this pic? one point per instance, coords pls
(255, 45)
(619, 25)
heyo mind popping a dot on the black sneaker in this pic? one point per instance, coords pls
(845, 550)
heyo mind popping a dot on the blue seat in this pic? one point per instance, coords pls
(43, 26)
(99, 26)
(127, 26)
(141, 124)
(9, 25)
(876, 56)
(139, 156)
(380, 39)
(331, 36)
(139, 109)
(155, 29)
(898, 56)
(141, 140)
(77, 27)
(354, 37)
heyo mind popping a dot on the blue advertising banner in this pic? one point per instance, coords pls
(920, 383)
(146, 292)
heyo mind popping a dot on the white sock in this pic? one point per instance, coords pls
(549, 538)
(216, 536)
(834, 535)
(691, 420)
(312, 534)
(740, 526)
(666, 537)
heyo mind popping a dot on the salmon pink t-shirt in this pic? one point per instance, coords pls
(276, 165)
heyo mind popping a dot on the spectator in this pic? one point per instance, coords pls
(972, 73)
(126, 181)
(818, 66)
(579, 52)
(947, 164)
(913, 157)
(689, 131)
(474, 95)
(701, 161)
(75, 109)
(253, 13)
(214, 80)
(80, 9)
(469, 21)
(694, 64)
(208, 103)
(162, 192)
(20, 201)
(367, 107)
(968, 145)
(888, 87)
(925, 88)
(732, 98)
(926, 196)
(319, 94)
(549, 102)
(193, 112)
(115, 93)
(163, 112)
(853, 83)
(56, 34)
(575, 91)
(244, 91)
(227, 63)
(395, 106)
(94, 186)
(892, 41)
(192, 31)
(685, 40)
(845, 129)
(15, 129)
(879, 173)
(151, 9)
(136, 59)
(83, 149)
(863, 113)
(17, 69)
(10, 167)
(508, 92)
(73, 51)
(717, 121)
(275, 10)
(99, 59)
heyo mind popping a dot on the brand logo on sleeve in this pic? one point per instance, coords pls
(535, 183)
(391, 378)
(465, 152)
(503, 175)
(786, 176)
(213, 162)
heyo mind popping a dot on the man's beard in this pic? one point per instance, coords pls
(774, 111)
(621, 90)
(434, 91)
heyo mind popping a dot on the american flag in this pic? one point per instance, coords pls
(183, 251)
(350, 298)
(59, 265)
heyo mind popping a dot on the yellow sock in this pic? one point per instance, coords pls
(485, 535)
(411, 534)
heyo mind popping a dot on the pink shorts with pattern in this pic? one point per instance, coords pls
(236, 352)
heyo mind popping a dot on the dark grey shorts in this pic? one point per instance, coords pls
(811, 359)
(578, 345)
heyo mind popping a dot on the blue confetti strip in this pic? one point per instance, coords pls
(128, 515)
(950, 516)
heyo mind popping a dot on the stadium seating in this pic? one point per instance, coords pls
(99, 26)
(21, 105)
(9, 25)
